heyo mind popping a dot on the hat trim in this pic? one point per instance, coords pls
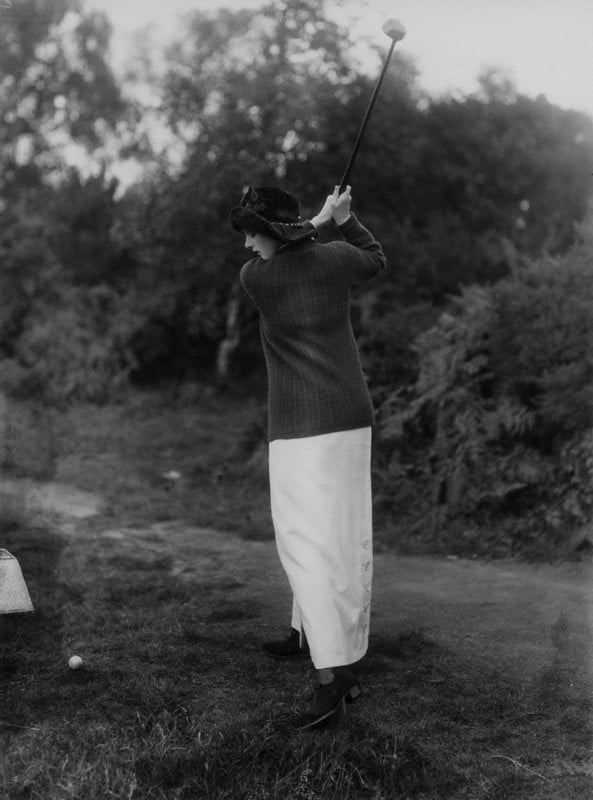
(245, 219)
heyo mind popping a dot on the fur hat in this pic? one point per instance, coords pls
(273, 213)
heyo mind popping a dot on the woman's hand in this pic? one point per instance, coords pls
(326, 213)
(341, 209)
(336, 207)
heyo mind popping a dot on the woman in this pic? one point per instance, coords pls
(319, 427)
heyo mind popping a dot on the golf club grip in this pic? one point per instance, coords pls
(348, 170)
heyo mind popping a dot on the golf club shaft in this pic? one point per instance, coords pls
(346, 175)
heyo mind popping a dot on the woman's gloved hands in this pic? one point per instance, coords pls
(336, 207)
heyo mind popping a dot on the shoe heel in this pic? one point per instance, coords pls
(354, 693)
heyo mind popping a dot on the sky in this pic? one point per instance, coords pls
(545, 46)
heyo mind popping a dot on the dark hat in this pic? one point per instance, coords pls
(273, 213)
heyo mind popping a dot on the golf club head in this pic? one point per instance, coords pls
(394, 29)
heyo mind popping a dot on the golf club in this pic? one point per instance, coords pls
(396, 32)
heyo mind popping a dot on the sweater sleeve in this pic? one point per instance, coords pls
(245, 278)
(366, 258)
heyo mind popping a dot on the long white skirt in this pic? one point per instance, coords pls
(320, 489)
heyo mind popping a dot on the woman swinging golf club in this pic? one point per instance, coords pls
(320, 416)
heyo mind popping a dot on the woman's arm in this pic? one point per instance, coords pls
(364, 258)
(369, 260)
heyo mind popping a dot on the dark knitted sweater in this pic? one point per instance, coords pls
(315, 380)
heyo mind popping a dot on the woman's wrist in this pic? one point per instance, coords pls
(342, 219)
(318, 220)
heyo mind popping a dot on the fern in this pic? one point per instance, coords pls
(498, 423)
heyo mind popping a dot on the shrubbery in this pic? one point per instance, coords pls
(496, 433)
(76, 347)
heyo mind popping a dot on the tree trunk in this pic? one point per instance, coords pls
(232, 338)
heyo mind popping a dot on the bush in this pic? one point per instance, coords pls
(75, 348)
(542, 342)
(386, 332)
(497, 430)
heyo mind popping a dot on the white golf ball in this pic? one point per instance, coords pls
(75, 662)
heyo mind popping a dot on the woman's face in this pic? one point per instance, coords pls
(264, 246)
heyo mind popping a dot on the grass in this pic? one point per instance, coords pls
(124, 453)
(175, 700)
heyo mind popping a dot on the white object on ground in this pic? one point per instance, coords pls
(172, 475)
(14, 595)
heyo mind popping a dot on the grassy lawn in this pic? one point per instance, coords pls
(175, 699)
(215, 445)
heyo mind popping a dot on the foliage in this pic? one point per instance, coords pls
(76, 348)
(81, 221)
(541, 350)
(29, 269)
(480, 190)
(57, 91)
(498, 426)
(386, 331)
(56, 88)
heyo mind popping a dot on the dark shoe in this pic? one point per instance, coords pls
(330, 699)
(287, 648)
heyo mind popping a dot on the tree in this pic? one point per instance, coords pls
(56, 91)
(81, 219)
(56, 88)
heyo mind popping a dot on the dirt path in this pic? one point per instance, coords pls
(42, 497)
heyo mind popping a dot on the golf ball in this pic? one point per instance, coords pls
(75, 662)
